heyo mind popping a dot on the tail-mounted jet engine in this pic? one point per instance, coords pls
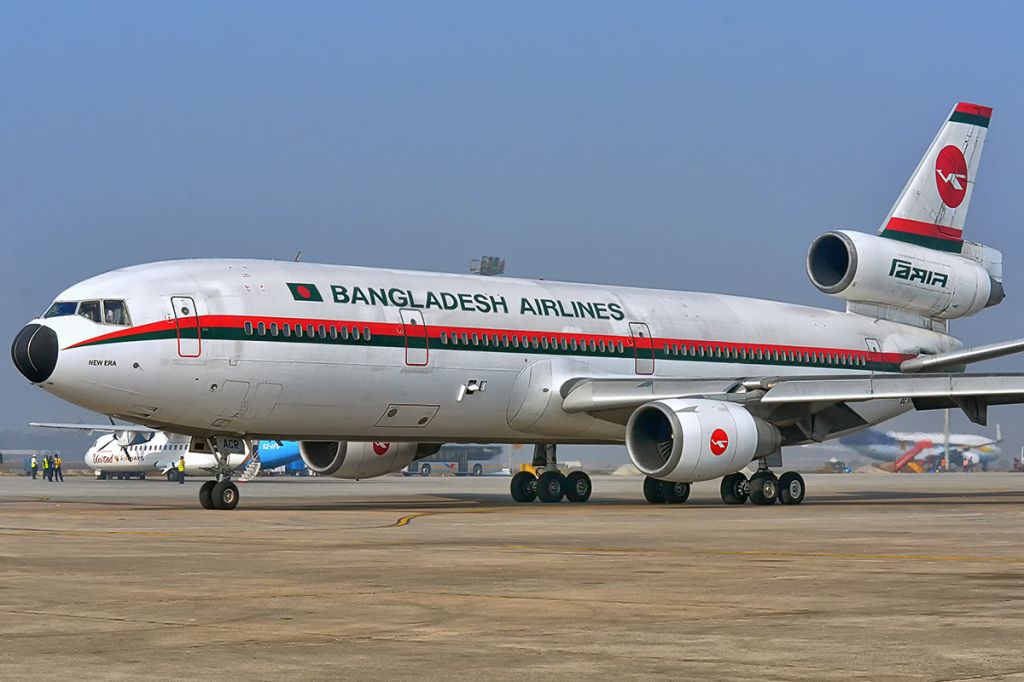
(342, 459)
(864, 268)
(685, 440)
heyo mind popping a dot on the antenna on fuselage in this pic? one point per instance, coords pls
(298, 256)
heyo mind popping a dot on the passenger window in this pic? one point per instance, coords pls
(323, 331)
(366, 333)
(115, 312)
(600, 346)
(261, 329)
(334, 332)
(248, 328)
(273, 329)
(444, 338)
(573, 345)
(504, 340)
(476, 340)
(286, 330)
(298, 331)
(344, 332)
(515, 342)
(89, 310)
(544, 342)
(311, 330)
(355, 333)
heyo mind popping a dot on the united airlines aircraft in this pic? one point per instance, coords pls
(372, 369)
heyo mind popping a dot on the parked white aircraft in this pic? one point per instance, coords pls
(156, 454)
(967, 450)
(373, 368)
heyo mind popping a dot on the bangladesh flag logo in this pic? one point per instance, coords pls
(305, 292)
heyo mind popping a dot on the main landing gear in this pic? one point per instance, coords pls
(551, 485)
(665, 492)
(221, 493)
(763, 488)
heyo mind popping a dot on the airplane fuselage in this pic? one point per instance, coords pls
(318, 352)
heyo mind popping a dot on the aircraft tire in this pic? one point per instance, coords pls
(142, 476)
(524, 487)
(424, 470)
(172, 475)
(551, 486)
(225, 495)
(578, 486)
(764, 488)
(675, 493)
(206, 495)
(791, 488)
(654, 490)
(734, 489)
(102, 476)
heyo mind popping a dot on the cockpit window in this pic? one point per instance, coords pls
(61, 308)
(115, 312)
(90, 310)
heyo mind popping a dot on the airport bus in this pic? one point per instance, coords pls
(459, 460)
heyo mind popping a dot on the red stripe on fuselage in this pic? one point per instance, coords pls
(435, 331)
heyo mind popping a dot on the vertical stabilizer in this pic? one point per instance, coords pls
(932, 208)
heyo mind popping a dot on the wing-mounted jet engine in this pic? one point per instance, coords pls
(357, 460)
(688, 440)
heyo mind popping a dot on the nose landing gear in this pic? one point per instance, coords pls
(222, 493)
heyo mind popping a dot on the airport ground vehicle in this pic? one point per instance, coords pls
(371, 369)
(458, 460)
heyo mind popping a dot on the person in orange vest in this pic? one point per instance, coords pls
(181, 469)
(57, 472)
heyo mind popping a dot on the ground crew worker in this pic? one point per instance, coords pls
(181, 469)
(35, 467)
(46, 467)
(57, 461)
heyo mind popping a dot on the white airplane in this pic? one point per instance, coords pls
(157, 454)
(967, 450)
(373, 368)
(127, 452)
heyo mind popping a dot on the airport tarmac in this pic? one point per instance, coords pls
(873, 577)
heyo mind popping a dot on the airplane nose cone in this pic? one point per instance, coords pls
(34, 352)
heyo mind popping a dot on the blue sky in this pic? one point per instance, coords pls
(680, 145)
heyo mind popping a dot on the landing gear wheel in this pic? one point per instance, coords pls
(791, 488)
(425, 470)
(172, 475)
(654, 490)
(225, 495)
(675, 493)
(478, 470)
(764, 488)
(524, 487)
(206, 495)
(551, 486)
(578, 487)
(735, 489)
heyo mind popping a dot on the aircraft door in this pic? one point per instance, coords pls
(873, 347)
(417, 351)
(186, 323)
(643, 347)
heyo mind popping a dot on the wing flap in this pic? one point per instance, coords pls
(995, 389)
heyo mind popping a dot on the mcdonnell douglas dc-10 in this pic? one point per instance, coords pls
(372, 369)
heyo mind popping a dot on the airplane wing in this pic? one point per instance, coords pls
(96, 428)
(792, 399)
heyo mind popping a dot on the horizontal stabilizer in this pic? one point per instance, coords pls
(961, 357)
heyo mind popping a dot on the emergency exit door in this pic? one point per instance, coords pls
(417, 349)
(643, 347)
(186, 323)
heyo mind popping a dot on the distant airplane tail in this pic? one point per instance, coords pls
(932, 208)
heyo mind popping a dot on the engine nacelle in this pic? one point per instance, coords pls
(342, 459)
(865, 268)
(686, 440)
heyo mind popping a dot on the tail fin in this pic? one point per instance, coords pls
(932, 208)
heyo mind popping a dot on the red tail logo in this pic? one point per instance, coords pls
(719, 442)
(951, 176)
